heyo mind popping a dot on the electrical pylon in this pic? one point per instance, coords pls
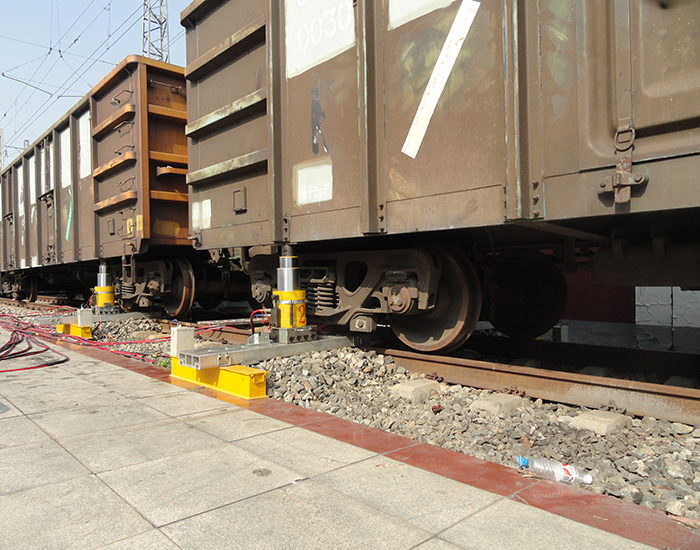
(156, 37)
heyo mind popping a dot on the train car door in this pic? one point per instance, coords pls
(323, 124)
(621, 120)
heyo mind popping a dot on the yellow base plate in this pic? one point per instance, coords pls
(244, 382)
(75, 330)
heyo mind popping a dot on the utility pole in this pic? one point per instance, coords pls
(156, 38)
(2, 152)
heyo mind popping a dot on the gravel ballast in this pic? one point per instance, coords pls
(652, 463)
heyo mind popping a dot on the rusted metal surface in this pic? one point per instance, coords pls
(394, 117)
(636, 398)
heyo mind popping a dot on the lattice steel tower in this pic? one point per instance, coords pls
(156, 37)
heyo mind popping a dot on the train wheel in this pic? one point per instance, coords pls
(30, 288)
(178, 302)
(526, 301)
(458, 304)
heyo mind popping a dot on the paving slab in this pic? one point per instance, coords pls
(7, 409)
(152, 540)
(39, 464)
(438, 544)
(79, 514)
(19, 430)
(177, 487)
(111, 449)
(148, 387)
(305, 515)
(115, 377)
(303, 451)
(234, 423)
(183, 403)
(422, 498)
(88, 366)
(506, 525)
(50, 399)
(88, 419)
(39, 380)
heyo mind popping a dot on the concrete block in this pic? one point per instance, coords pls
(497, 403)
(417, 391)
(601, 422)
(84, 318)
(181, 339)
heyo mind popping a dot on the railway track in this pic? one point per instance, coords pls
(637, 398)
(664, 402)
(41, 303)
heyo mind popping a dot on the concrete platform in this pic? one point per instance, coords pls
(103, 452)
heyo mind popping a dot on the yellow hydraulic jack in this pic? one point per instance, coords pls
(104, 292)
(289, 311)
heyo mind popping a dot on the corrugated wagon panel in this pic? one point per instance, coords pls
(138, 118)
(229, 62)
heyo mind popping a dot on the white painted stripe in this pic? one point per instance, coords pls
(405, 11)
(436, 85)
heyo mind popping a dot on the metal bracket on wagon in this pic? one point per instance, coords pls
(621, 185)
(623, 181)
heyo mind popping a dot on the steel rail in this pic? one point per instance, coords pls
(636, 398)
(42, 302)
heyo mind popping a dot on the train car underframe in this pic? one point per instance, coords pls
(169, 281)
(433, 295)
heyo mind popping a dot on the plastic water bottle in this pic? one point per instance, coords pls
(551, 469)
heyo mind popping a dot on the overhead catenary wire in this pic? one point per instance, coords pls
(49, 52)
(70, 81)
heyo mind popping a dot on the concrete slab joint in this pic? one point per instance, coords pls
(601, 422)
(417, 391)
(498, 403)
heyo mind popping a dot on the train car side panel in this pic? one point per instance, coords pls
(116, 192)
(66, 248)
(83, 167)
(626, 77)
(323, 131)
(445, 114)
(230, 95)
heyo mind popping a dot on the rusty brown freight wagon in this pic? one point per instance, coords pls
(105, 185)
(425, 157)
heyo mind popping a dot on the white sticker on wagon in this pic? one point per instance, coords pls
(436, 85)
(84, 145)
(314, 181)
(405, 11)
(66, 166)
(206, 214)
(196, 216)
(316, 31)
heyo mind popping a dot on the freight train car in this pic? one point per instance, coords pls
(437, 161)
(103, 190)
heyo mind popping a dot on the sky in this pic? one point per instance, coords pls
(55, 51)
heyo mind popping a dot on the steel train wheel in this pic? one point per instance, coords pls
(30, 289)
(178, 302)
(526, 301)
(458, 304)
